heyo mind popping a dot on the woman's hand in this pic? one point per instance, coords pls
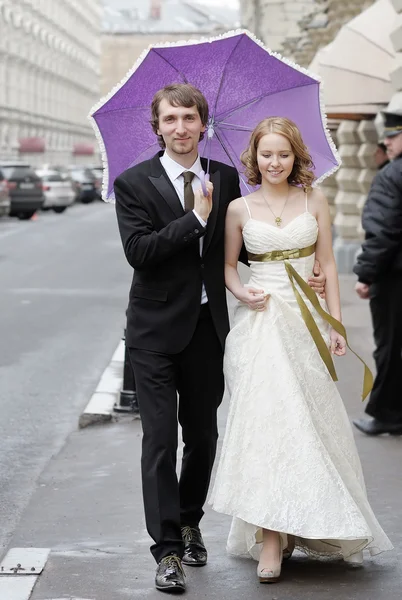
(338, 343)
(255, 299)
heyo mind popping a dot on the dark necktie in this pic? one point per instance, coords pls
(188, 191)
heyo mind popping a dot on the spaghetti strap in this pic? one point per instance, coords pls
(247, 206)
(306, 194)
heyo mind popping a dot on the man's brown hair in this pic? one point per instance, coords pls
(178, 94)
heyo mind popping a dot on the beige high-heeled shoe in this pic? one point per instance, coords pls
(267, 575)
(355, 560)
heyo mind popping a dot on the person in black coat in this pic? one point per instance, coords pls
(177, 321)
(379, 271)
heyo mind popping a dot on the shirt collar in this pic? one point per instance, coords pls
(174, 170)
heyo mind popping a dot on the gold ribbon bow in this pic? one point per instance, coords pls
(308, 318)
(283, 254)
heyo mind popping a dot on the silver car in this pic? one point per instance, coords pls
(58, 190)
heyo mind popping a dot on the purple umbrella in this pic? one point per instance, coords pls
(243, 83)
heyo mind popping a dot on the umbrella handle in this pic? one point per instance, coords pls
(204, 177)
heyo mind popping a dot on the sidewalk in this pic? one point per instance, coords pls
(88, 512)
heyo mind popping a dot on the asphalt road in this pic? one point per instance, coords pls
(63, 295)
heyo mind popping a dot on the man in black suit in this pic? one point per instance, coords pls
(177, 321)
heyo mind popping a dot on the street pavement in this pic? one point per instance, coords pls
(63, 295)
(87, 505)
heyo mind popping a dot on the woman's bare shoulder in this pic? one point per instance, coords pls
(317, 201)
(316, 195)
(236, 206)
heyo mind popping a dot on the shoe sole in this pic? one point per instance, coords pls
(193, 564)
(269, 579)
(172, 590)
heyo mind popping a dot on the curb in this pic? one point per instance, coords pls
(100, 407)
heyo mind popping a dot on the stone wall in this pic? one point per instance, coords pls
(321, 26)
(298, 28)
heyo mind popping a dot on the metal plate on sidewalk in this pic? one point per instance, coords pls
(16, 588)
(24, 561)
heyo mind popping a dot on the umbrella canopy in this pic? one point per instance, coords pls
(243, 83)
(355, 68)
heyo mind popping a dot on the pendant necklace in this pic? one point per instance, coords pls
(278, 220)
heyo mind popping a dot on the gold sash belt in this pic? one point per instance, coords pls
(308, 318)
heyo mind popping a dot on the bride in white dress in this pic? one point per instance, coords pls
(289, 473)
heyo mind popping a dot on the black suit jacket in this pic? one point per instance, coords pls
(382, 222)
(161, 243)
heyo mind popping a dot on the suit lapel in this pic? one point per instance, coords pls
(164, 186)
(216, 181)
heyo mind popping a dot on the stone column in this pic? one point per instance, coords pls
(358, 141)
(347, 218)
(369, 138)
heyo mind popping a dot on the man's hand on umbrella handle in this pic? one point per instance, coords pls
(362, 290)
(318, 279)
(204, 177)
(203, 204)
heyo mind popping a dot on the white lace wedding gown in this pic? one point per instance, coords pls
(289, 461)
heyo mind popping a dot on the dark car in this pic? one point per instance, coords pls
(24, 187)
(5, 202)
(85, 184)
(98, 172)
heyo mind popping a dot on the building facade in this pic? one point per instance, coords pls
(49, 79)
(131, 26)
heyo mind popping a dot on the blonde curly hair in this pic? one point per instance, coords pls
(302, 169)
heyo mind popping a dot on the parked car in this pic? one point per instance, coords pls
(84, 184)
(5, 202)
(98, 172)
(24, 187)
(58, 190)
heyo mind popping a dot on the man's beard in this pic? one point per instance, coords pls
(181, 149)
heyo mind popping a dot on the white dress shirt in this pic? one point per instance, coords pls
(175, 173)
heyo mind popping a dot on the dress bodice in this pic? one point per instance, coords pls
(260, 237)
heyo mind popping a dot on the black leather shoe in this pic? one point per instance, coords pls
(170, 575)
(374, 427)
(195, 553)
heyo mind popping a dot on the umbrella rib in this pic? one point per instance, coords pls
(130, 108)
(230, 158)
(222, 77)
(141, 154)
(225, 149)
(173, 67)
(233, 126)
(254, 100)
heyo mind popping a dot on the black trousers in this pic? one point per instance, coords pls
(195, 376)
(386, 310)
